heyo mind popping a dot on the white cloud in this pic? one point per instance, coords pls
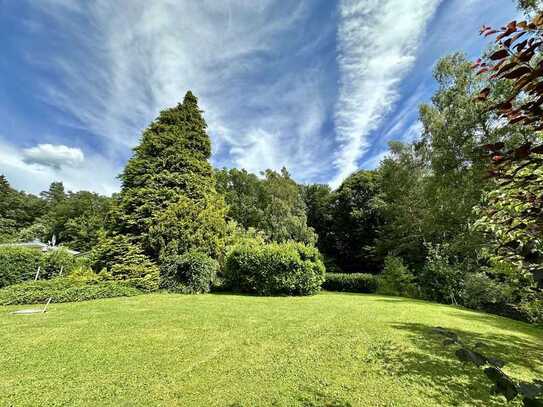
(377, 44)
(94, 173)
(54, 156)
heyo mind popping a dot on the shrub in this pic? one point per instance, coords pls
(441, 279)
(192, 272)
(53, 261)
(396, 279)
(18, 264)
(63, 289)
(350, 282)
(276, 268)
(482, 292)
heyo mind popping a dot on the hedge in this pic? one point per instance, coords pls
(277, 268)
(351, 282)
(63, 289)
(18, 264)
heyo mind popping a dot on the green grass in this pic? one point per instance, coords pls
(227, 350)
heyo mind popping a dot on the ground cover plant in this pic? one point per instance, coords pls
(335, 349)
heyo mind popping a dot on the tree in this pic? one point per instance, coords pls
(77, 219)
(512, 213)
(18, 210)
(356, 218)
(170, 165)
(318, 201)
(284, 210)
(273, 205)
(244, 192)
(55, 194)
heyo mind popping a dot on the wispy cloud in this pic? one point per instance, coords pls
(377, 44)
(139, 59)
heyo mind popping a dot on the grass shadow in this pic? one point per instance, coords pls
(433, 364)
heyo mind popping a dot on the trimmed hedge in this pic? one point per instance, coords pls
(351, 282)
(277, 268)
(192, 272)
(18, 264)
(63, 289)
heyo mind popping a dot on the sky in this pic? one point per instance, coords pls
(317, 86)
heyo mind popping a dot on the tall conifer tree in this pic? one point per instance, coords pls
(169, 168)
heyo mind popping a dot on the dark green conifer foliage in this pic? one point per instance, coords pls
(169, 164)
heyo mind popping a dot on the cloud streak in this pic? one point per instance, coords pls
(377, 45)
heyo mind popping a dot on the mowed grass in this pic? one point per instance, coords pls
(228, 350)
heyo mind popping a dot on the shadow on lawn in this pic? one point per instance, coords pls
(434, 365)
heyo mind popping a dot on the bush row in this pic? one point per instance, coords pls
(63, 289)
(18, 264)
(355, 282)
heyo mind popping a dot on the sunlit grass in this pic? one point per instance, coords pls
(228, 350)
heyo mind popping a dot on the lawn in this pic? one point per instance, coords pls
(228, 350)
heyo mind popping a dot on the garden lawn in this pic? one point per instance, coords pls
(229, 350)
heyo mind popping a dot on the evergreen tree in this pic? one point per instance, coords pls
(168, 166)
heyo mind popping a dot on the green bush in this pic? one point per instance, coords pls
(276, 268)
(18, 264)
(63, 289)
(442, 278)
(192, 272)
(482, 292)
(396, 279)
(53, 261)
(350, 282)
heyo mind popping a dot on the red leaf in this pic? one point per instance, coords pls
(481, 71)
(517, 73)
(476, 63)
(490, 32)
(500, 54)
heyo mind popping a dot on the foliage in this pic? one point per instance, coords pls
(190, 225)
(512, 213)
(483, 292)
(350, 282)
(76, 219)
(54, 261)
(62, 289)
(356, 218)
(18, 210)
(530, 393)
(169, 167)
(396, 279)
(192, 272)
(120, 257)
(441, 278)
(18, 264)
(277, 268)
(244, 193)
(273, 205)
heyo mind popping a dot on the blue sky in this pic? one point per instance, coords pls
(318, 86)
